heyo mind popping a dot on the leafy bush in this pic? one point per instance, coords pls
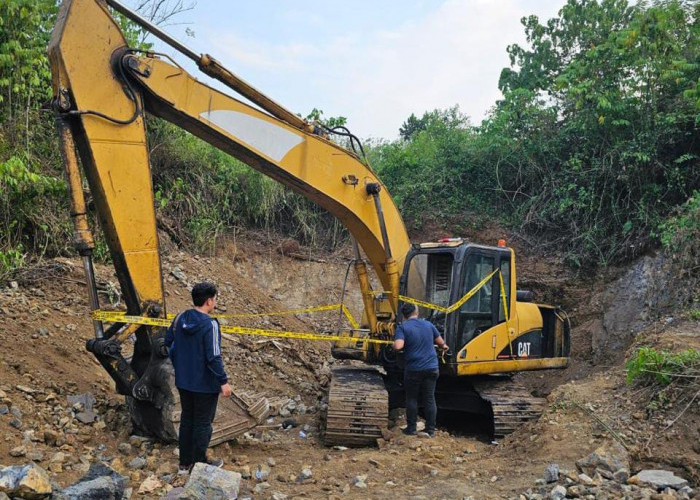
(435, 171)
(650, 366)
(26, 197)
(680, 233)
(11, 259)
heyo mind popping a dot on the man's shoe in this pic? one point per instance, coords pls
(215, 462)
(426, 435)
(183, 469)
(408, 432)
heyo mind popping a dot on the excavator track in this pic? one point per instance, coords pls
(511, 403)
(358, 407)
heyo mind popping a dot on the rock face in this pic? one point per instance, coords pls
(211, 482)
(609, 458)
(658, 479)
(28, 482)
(100, 483)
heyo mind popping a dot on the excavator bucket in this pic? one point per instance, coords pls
(234, 415)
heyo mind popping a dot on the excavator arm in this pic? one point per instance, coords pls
(101, 90)
(102, 87)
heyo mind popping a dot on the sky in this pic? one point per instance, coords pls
(373, 62)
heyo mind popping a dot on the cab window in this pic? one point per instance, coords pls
(430, 280)
(505, 272)
(477, 268)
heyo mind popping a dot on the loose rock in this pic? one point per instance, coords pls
(211, 482)
(150, 485)
(360, 481)
(18, 451)
(25, 481)
(558, 493)
(137, 463)
(100, 483)
(621, 476)
(658, 479)
(609, 458)
(551, 473)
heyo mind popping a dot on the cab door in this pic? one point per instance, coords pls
(484, 309)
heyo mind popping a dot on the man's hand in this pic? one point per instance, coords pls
(445, 347)
(226, 390)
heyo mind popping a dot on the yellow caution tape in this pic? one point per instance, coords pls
(505, 311)
(330, 307)
(456, 305)
(121, 317)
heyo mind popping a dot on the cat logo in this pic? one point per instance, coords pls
(523, 349)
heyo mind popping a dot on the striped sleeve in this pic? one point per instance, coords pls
(216, 338)
(212, 347)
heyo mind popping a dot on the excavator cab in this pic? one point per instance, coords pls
(492, 325)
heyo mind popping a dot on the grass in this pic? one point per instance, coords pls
(650, 366)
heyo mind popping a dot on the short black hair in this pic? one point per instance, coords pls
(407, 309)
(203, 291)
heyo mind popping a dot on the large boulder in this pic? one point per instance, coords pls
(29, 482)
(211, 482)
(100, 483)
(610, 458)
(659, 479)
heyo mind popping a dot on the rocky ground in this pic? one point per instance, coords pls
(46, 418)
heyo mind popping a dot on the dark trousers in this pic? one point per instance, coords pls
(198, 410)
(420, 383)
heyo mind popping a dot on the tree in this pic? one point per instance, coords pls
(451, 117)
(316, 116)
(619, 82)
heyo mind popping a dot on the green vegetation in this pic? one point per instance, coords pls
(32, 193)
(650, 366)
(593, 149)
(594, 143)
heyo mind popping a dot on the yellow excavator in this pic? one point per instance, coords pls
(102, 89)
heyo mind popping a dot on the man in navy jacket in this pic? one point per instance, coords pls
(417, 338)
(194, 341)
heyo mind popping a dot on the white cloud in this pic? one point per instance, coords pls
(377, 79)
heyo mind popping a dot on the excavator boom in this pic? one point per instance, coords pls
(287, 151)
(101, 90)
